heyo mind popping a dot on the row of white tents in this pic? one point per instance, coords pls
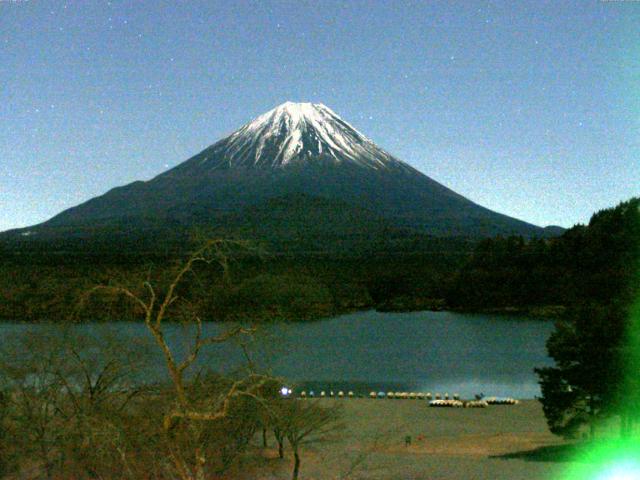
(412, 395)
(438, 401)
(398, 395)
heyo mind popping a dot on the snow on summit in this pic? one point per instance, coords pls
(295, 133)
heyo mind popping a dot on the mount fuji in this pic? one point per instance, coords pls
(298, 169)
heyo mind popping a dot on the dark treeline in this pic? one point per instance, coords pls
(42, 280)
(36, 284)
(594, 262)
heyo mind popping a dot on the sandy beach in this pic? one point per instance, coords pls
(498, 442)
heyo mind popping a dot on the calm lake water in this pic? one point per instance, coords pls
(419, 351)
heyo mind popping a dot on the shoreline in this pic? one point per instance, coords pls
(547, 312)
(381, 440)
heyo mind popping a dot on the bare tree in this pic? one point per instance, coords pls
(67, 399)
(156, 307)
(303, 422)
(34, 391)
(100, 378)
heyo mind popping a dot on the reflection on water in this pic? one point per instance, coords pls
(420, 351)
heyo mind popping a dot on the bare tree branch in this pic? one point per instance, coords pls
(156, 308)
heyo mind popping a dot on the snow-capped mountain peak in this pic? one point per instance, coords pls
(294, 133)
(300, 175)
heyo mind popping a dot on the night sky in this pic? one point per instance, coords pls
(529, 108)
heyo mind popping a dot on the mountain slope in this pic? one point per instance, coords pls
(291, 150)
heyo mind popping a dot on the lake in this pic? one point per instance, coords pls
(433, 352)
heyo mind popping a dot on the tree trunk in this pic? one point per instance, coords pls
(264, 438)
(280, 440)
(296, 464)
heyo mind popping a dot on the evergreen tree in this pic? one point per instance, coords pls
(595, 345)
(586, 381)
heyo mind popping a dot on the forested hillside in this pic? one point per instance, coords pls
(399, 271)
(592, 262)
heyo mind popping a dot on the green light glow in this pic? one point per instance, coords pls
(623, 471)
(610, 460)
(627, 470)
